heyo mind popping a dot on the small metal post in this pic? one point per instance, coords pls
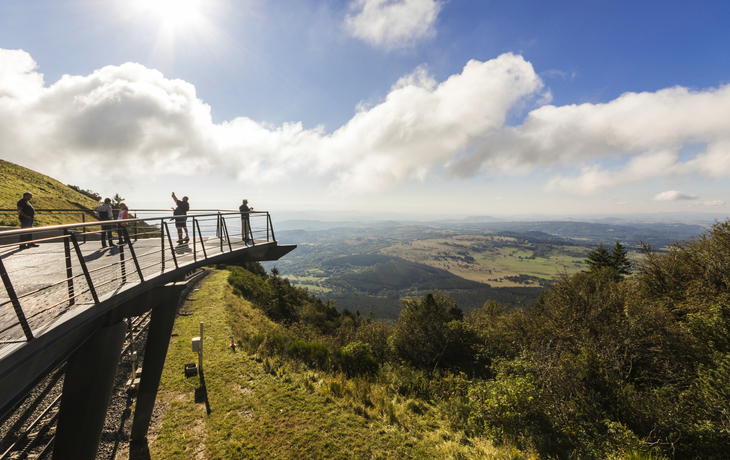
(200, 351)
(134, 367)
(83, 231)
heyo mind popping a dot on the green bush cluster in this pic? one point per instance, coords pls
(603, 365)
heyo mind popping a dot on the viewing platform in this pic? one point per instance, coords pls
(70, 296)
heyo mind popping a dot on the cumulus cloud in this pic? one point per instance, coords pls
(649, 128)
(140, 120)
(713, 203)
(673, 195)
(135, 119)
(393, 23)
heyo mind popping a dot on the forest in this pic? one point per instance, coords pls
(610, 362)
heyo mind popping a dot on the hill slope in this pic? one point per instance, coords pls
(48, 193)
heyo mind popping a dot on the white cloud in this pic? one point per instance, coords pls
(393, 23)
(133, 119)
(649, 128)
(130, 120)
(713, 203)
(673, 195)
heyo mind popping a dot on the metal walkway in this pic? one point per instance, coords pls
(57, 297)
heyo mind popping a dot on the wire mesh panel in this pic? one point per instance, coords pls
(77, 266)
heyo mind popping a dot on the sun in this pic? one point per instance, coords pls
(173, 14)
(177, 29)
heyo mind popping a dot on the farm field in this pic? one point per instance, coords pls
(492, 259)
(371, 269)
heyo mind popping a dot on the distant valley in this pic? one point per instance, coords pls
(369, 267)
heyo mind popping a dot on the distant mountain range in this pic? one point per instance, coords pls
(657, 233)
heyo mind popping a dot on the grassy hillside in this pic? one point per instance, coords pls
(603, 366)
(262, 407)
(48, 193)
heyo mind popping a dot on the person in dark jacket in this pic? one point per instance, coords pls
(26, 214)
(245, 222)
(181, 222)
(104, 212)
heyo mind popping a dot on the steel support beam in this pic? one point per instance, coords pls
(162, 320)
(87, 388)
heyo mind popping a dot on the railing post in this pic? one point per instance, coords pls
(224, 230)
(122, 264)
(195, 251)
(220, 236)
(69, 268)
(162, 244)
(134, 256)
(83, 232)
(202, 243)
(82, 262)
(16, 303)
(172, 248)
(268, 218)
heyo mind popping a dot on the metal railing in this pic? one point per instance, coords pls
(70, 269)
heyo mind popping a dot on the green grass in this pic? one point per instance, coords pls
(262, 407)
(48, 193)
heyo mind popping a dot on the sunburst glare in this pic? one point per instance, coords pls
(179, 26)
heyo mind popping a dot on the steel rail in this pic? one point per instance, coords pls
(99, 278)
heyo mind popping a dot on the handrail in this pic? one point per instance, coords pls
(77, 274)
(22, 231)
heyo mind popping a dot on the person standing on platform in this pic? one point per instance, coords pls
(245, 222)
(181, 222)
(26, 214)
(104, 213)
(123, 215)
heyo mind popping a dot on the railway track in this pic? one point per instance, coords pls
(28, 431)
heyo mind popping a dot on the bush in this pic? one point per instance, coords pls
(424, 335)
(357, 358)
(312, 353)
(249, 286)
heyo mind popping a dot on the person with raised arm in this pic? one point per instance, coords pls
(181, 222)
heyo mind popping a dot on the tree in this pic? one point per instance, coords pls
(600, 258)
(117, 200)
(427, 333)
(619, 260)
(90, 193)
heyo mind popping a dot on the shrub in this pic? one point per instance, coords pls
(357, 358)
(424, 335)
(249, 286)
(312, 353)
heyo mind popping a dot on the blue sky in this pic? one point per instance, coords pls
(401, 107)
